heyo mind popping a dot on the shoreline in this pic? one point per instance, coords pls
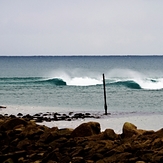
(73, 119)
(148, 122)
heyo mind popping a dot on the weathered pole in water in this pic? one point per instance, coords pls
(105, 104)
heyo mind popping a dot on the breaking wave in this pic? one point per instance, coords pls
(140, 83)
(130, 84)
(146, 84)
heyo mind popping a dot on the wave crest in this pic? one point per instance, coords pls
(130, 84)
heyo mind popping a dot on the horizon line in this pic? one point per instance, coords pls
(75, 55)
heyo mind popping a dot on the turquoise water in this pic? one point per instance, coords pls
(134, 84)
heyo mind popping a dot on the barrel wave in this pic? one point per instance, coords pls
(129, 84)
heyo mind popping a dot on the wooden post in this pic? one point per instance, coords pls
(105, 104)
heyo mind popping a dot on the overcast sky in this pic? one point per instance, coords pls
(57, 27)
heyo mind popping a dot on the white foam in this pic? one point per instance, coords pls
(83, 81)
(151, 85)
(77, 77)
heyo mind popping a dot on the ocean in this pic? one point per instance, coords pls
(32, 84)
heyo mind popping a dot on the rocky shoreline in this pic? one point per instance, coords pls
(54, 116)
(22, 140)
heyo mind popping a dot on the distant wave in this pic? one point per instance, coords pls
(139, 83)
(18, 80)
(76, 81)
(31, 80)
(130, 84)
(146, 84)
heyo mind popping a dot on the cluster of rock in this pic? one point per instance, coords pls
(2, 107)
(51, 116)
(24, 141)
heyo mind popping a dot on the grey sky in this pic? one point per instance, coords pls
(30, 27)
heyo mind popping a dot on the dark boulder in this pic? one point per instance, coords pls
(11, 123)
(86, 129)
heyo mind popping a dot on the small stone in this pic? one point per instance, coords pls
(110, 134)
(3, 107)
(19, 114)
(78, 160)
(8, 161)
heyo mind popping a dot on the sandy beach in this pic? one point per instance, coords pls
(146, 122)
(150, 122)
